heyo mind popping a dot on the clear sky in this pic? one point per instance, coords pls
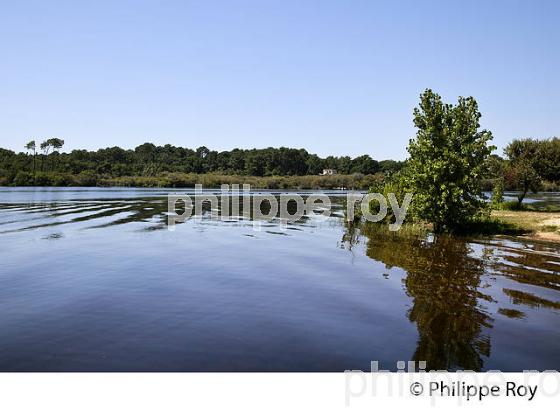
(334, 77)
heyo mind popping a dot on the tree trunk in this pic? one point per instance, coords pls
(521, 196)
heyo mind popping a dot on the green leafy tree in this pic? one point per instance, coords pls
(494, 167)
(446, 161)
(389, 166)
(45, 147)
(314, 164)
(548, 164)
(56, 144)
(522, 171)
(365, 165)
(24, 178)
(31, 146)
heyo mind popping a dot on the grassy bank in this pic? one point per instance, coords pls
(539, 225)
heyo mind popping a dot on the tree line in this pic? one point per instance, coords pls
(149, 160)
(448, 152)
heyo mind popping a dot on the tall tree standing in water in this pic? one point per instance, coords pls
(446, 161)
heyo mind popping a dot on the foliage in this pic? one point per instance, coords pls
(548, 164)
(522, 170)
(446, 161)
(181, 180)
(510, 206)
(498, 192)
(151, 161)
(86, 178)
(529, 162)
(486, 225)
(32, 146)
(395, 184)
(24, 178)
(549, 186)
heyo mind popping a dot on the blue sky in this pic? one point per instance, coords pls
(334, 77)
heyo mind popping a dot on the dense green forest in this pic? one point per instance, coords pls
(151, 165)
(527, 165)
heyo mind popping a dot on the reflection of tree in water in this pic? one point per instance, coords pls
(351, 236)
(443, 280)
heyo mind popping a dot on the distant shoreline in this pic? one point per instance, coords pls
(184, 180)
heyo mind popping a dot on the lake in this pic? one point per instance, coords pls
(91, 279)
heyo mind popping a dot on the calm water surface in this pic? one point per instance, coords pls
(91, 280)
